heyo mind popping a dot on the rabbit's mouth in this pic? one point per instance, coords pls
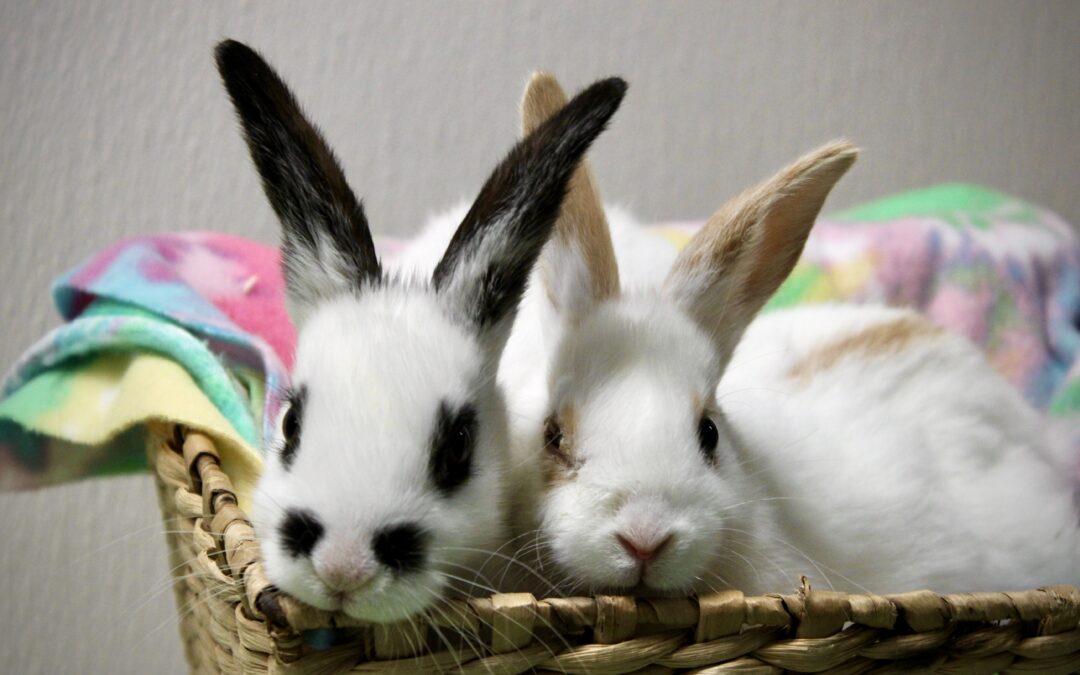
(653, 578)
(387, 599)
(342, 598)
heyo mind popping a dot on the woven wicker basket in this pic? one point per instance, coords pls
(233, 621)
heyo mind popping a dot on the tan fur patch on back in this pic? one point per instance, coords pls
(879, 340)
(582, 223)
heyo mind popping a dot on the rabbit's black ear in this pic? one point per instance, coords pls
(326, 246)
(485, 269)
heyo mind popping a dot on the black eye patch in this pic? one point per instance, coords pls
(452, 447)
(290, 426)
(300, 531)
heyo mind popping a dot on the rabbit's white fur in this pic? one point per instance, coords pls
(914, 467)
(858, 446)
(919, 468)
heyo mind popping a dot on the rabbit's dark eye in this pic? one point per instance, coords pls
(452, 447)
(556, 443)
(290, 427)
(553, 436)
(708, 437)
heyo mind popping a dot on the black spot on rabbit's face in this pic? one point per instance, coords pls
(452, 447)
(401, 548)
(300, 531)
(291, 423)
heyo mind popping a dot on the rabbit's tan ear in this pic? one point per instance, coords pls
(578, 266)
(744, 252)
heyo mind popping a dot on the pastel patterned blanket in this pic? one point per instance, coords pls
(192, 327)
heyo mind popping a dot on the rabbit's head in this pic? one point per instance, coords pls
(641, 471)
(385, 481)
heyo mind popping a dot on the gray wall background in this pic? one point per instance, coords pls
(112, 122)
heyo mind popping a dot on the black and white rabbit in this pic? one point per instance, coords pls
(387, 480)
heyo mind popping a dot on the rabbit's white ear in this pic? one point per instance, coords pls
(326, 245)
(578, 266)
(744, 252)
(483, 274)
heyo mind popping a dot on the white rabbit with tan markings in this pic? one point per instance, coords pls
(387, 481)
(691, 446)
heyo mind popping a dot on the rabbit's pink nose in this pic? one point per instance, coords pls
(345, 575)
(345, 578)
(641, 549)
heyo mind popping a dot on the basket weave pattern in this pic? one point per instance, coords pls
(232, 620)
